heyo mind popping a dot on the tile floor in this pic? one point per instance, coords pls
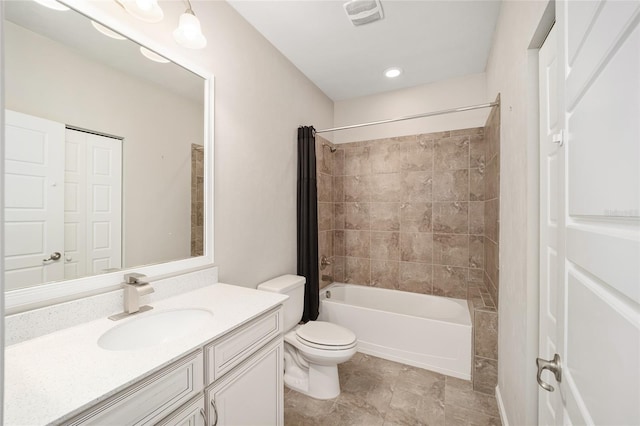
(380, 392)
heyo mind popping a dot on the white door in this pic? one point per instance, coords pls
(598, 268)
(550, 127)
(34, 187)
(93, 204)
(75, 205)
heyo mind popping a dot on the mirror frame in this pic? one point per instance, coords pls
(60, 291)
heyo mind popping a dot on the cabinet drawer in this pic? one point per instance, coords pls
(223, 355)
(151, 399)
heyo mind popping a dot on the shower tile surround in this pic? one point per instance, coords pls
(418, 213)
(408, 212)
(197, 200)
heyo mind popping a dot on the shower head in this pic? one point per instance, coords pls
(331, 148)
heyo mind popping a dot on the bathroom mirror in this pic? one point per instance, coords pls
(108, 155)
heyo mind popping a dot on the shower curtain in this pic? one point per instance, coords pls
(307, 215)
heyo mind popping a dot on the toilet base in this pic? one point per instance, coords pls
(320, 382)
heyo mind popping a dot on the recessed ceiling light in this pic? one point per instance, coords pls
(107, 31)
(52, 4)
(392, 72)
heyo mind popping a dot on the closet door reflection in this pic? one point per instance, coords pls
(92, 204)
(34, 207)
(63, 202)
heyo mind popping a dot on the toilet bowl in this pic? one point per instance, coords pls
(312, 350)
(311, 364)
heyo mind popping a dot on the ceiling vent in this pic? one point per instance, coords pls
(362, 12)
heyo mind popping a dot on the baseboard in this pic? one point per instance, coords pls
(503, 414)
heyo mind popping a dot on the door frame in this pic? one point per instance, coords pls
(547, 21)
(2, 123)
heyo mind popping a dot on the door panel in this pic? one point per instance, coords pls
(104, 215)
(602, 349)
(34, 186)
(93, 213)
(601, 185)
(598, 41)
(598, 308)
(75, 211)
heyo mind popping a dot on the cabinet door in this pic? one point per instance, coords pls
(191, 414)
(252, 394)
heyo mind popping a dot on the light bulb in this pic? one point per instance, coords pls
(145, 10)
(145, 5)
(189, 33)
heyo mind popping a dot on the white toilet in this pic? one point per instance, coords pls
(312, 350)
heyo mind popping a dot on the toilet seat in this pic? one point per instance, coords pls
(325, 335)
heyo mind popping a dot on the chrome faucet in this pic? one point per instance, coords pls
(134, 287)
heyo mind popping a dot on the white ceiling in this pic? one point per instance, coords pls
(429, 40)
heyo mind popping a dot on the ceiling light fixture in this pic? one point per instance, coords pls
(153, 56)
(106, 31)
(392, 72)
(52, 4)
(145, 10)
(189, 33)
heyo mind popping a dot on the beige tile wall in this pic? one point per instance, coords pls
(407, 212)
(325, 161)
(492, 203)
(483, 295)
(197, 199)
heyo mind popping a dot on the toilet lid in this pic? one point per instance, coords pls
(326, 333)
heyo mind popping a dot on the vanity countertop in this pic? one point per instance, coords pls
(54, 377)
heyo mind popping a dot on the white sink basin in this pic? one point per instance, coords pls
(153, 329)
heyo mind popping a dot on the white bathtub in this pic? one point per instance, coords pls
(416, 329)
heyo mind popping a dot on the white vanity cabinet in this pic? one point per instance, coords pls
(151, 399)
(252, 393)
(235, 380)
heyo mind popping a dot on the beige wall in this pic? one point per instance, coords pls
(452, 93)
(261, 99)
(508, 74)
(47, 79)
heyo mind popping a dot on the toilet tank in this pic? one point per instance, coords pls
(292, 286)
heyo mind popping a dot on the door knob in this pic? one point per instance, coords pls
(553, 366)
(53, 256)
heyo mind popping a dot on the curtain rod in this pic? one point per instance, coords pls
(411, 117)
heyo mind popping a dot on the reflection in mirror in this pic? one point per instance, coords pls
(104, 158)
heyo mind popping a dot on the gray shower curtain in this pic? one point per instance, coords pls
(307, 215)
